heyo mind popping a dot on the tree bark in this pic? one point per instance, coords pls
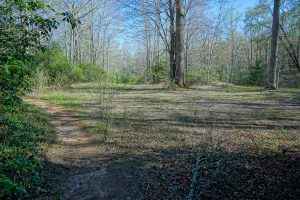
(179, 79)
(172, 49)
(275, 27)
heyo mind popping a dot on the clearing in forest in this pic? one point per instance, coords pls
(151, 142)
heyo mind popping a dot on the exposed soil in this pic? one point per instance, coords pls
(77, 167)
(149, 138)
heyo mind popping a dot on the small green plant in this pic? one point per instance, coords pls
(240, 77)
(257, 72)
(171, 85)
(58, 194)
(199, 75)
(127, 78)
(157, 73)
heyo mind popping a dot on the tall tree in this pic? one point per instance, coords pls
(172, 49)
(275, 28)
(179, 80)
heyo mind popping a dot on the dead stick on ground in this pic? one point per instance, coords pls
(195, 176)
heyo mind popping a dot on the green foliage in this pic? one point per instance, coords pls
(171, 85)
(195, 76)
(204, 75)
(20, 31)
(240, 76)
(40, 81)
(127, 78)
(157, 73)
(22, 129)
(70, 18)
(13, 79)
(154, 74)
(257, 72)
(21, 34)
(62, 72)
(54, 64)
(23, 28)
(94, 73)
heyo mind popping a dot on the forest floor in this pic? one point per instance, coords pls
(151, 142)
(76, 167)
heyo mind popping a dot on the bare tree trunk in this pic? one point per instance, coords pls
(186, 55)
(91, 32)
(179, 79)
(186, 60)
(103, 54)
(172, 41)
(107, 54)
(251, 51)
(275, 27)
(147, 34)
(66, 41)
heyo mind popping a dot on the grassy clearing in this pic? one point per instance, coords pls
(246, 139)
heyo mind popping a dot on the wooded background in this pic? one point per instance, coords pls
(221, 41)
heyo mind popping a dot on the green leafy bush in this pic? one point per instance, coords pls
(94, 73)
(240, 77)
(157, 73)
(18, 41)
(22, 129)
(195, 76)
(257, 72)
(62, 72)
(126, 78)
(204, 75)
(14, 79)
(18, 28)
(53, 63)
(77, 73)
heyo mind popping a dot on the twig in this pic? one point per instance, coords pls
(195, 176)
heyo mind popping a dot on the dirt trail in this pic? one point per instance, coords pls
(78, 167)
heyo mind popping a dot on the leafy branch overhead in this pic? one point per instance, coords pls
(70, 18)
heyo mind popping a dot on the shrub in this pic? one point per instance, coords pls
(77, 74)
(157, 73)
(257, 72)
(61, 72)
(14, 79)
(240, 77)
(171, 85)
(94, 73)
(22, 128)
(204, 75)
(54, 63)
(126, 78)
(195, 76)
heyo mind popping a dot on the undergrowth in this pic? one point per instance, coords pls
(23, 131)
(54, 70)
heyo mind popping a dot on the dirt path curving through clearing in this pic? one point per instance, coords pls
(78, 167)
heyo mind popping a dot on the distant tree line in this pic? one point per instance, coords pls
(218, 41)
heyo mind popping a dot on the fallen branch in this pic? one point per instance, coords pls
(195, 176)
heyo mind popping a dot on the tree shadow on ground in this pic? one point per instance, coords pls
(155, 156)
(166, 173)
